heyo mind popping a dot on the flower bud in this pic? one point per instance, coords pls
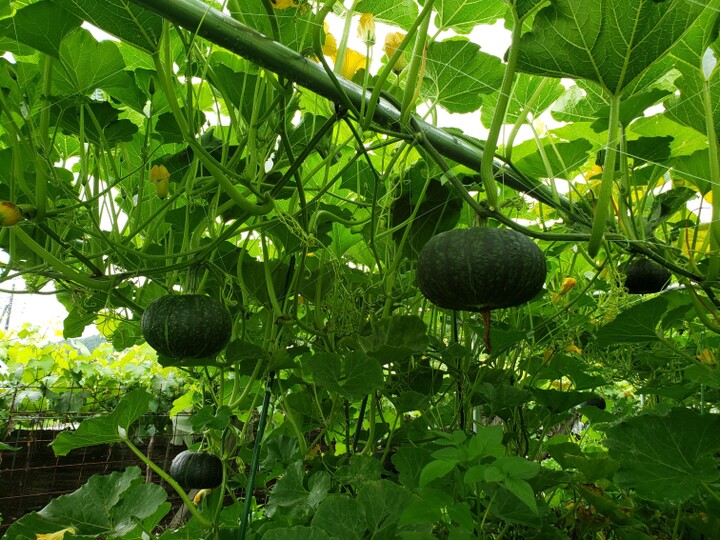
(392, 42)
(366, 29)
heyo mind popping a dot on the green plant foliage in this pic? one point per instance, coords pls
(461, 91)
(115, 505)
(666, 458)
(259, 156)
(463, 15)
(608, 42)
(105, 429)
(352, 375)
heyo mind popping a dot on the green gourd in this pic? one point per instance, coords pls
(186, 326)
(643, 276)
(480, 269)
(196, 470)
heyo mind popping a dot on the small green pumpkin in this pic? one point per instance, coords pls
(480, 269)
(186, 326)
(196, 470)
(643, 276)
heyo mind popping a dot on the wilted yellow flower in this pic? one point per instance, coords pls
(707, 357)
(392, 42)
(562, 384)
(200, 495)
(573, 349)
(567, 284)
(366, 29)
(284, 4)
(595, 171)
(58, 535)
(352, 62)
(160, 177)
(330, 46)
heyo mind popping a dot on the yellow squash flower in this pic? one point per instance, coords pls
(352, 62)
(330, 46)
(392, 42)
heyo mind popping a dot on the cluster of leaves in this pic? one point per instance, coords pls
(345, 406)
(46, 385)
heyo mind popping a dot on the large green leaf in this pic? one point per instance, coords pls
(563, 158)
(341, 517)
(299, 532)
(106, 506)
(290, 496)
(635, 325)
(459, 74)
(463, 15)
(531, 95)
(105, 429)
(396, 338)
(611, 42)
(122, 18)
(383, 502)
(666, 458)
(353, 375)
(399, 12)
(87, 65)
(42, 26)
(686, 107)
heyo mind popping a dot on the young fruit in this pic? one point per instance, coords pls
(186, 325)
(480, 269)
(196, 470)
(643, 276)
(10, 214)
(160, 177)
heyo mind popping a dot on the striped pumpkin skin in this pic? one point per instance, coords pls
(186, 326)
(480, 269)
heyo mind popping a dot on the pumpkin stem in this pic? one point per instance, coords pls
(486, 336)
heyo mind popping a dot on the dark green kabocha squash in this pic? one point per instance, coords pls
(643, 276)
(186, 325)
(196, 470)
(480, 269)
